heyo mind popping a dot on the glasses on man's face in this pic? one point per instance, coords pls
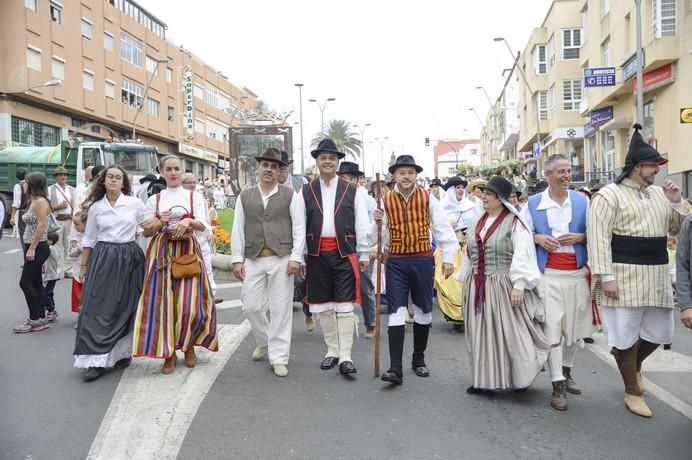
(113, 177)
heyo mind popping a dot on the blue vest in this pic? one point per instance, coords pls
(577, 225)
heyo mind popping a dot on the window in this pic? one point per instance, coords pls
(32, 133)
(552, 101)
(140, 16)
(539, 59)
(86, 28)
(664, 18)
(88, 79)
(198, 91)
(55, 12)
(224, 101)
(605, 51)
(152, 65)
(551, 51)
(131, 49)
(110, 89)
(211, 95)
(571, 94)
(215, 129)
(33, 58)
(108, 41)
(154, 107)
(132, 94)
(199, 126)
(605, 7)
(171, 113)
(542, 104)
(58, 68)
(169, 74)
(31, 4)
(571, 42)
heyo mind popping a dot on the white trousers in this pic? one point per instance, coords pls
(568, 315)
(266, 280)
(205, 246)
(624, 326)
(64, 245)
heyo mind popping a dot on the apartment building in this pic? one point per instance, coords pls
(451, 153)
(120, 77)
(500, 133)
(609, 112)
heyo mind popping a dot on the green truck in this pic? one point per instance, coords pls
(137, 159)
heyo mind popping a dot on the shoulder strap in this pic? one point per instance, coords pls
(158, 198)
(192, 205)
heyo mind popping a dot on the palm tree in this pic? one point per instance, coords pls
(345, 139)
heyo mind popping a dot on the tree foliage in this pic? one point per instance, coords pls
(344, 137)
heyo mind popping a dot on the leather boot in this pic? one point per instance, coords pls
(345, 326)
(169, 364)
(570, 384)
(190, 357)
(421, 333)
(627, 364)
(643, 352)
(328, 323)
(559, 399)
(396, 350)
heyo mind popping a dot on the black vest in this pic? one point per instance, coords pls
(344, 217)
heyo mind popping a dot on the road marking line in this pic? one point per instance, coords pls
(237, 284)
(229, 304)
(150, 413)
(12, 251)
(600, 349)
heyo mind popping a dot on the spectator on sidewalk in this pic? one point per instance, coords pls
(52, 273)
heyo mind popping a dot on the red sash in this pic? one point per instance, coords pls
(562, 261)
(328, 244)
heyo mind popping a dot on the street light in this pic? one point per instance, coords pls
(300, 98)
(640, 65)
(362, 140)
(322, 107)
(144, 95)
(492, 106)
(48, 84)
(380, 140)
(539, 170)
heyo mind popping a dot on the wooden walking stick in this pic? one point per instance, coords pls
(378, 282)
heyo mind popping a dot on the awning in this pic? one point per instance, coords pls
(510, 143)
(617, 123)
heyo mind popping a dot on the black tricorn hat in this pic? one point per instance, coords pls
(501, 186)
(639, 152)
(348, 167)
(285, 157)
(148, 178)
(454, 181)
(435, 182)
(327, 145)
(404, 160)
(273, 155)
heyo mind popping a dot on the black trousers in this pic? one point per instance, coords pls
(32, 284)
(50, 296)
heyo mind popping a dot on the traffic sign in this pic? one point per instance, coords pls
(536, 149)
(599, 76)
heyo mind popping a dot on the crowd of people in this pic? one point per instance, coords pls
(526, 275)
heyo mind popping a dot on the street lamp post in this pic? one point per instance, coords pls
(539, 170)
(456, 155)
(380, 140)
(302, 151)
(640, 65)
(362, 141)
(322, 107)
(144, 97)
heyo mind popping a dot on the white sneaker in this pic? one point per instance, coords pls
(280, 370)
(259, 353)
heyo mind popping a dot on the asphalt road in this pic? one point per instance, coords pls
(230, 407)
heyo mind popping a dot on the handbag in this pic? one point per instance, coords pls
(53, 225)
(186, 265)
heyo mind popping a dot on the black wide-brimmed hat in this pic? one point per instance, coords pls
(348, 167)
(285, 157)
(639, 152)
(454, 181)
(273, 155)
(404, 160)
(148, 178)
(500, 186)
(436, 182)
(61, 170)
(327, 145)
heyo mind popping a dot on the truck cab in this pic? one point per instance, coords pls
(136, 159)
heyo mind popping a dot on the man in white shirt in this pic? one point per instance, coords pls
(557, 217)
(337, 228)
(267, 245)
(82, 189)
(61, 198)
(18, 205)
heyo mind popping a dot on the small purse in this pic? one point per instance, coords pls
(186, 265)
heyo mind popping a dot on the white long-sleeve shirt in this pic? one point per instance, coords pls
(362, 223)
(297, 222)
(114, 224)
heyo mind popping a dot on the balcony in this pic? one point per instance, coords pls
(599, 177)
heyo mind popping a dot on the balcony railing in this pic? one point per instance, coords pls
(599, 177)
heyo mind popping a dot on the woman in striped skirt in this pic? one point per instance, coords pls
(175, 313)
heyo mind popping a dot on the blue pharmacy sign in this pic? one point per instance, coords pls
(599, 76)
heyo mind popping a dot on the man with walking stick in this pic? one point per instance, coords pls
(408, 218)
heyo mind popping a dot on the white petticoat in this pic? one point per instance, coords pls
(121, 350)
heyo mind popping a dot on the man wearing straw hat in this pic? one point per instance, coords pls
(62, 198)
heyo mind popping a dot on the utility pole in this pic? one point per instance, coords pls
(640, 65)
(302, 150)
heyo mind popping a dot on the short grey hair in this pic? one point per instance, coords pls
(552, 159)
(165, 158)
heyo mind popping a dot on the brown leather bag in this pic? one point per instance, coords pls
(186, 265)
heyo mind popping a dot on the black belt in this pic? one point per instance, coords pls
(637, 250)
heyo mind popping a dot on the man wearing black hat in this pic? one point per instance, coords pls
(267, 251)
(337, 229)
(627, 241)
(435, 186)
(409, 218)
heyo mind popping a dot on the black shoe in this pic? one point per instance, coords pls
(93, 373)
(588, 340)
(123, 363)
(421, 371)
(392, 377)
(479, 391)
(329, 362)
(347, 367)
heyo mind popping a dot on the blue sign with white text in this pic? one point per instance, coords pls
(599, 76)
(598, 117)
(536, 149)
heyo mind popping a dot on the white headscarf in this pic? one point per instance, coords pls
(454, 207)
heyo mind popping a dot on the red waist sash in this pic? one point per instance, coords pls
(562, 261)
(328, 244)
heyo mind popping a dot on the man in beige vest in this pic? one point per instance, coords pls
(61, 198)
(267, 246)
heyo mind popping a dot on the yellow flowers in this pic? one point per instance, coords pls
(222, 240)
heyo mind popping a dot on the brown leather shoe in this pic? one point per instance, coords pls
(570, 384)
(559, 398)
(190, 358)
(169, 364)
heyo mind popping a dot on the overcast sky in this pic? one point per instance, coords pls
(411, 71)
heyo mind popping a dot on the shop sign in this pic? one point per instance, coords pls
(686, 115)
(198, 153)
(598, 117)
(629, 67)
(188, 112)
(589, 129)
(656, 78)
(599, 76)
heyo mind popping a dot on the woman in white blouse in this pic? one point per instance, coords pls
(112, 271)
(175, 312)
(502, 308)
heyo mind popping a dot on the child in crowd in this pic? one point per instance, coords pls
(51, 275)
(75, 252)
